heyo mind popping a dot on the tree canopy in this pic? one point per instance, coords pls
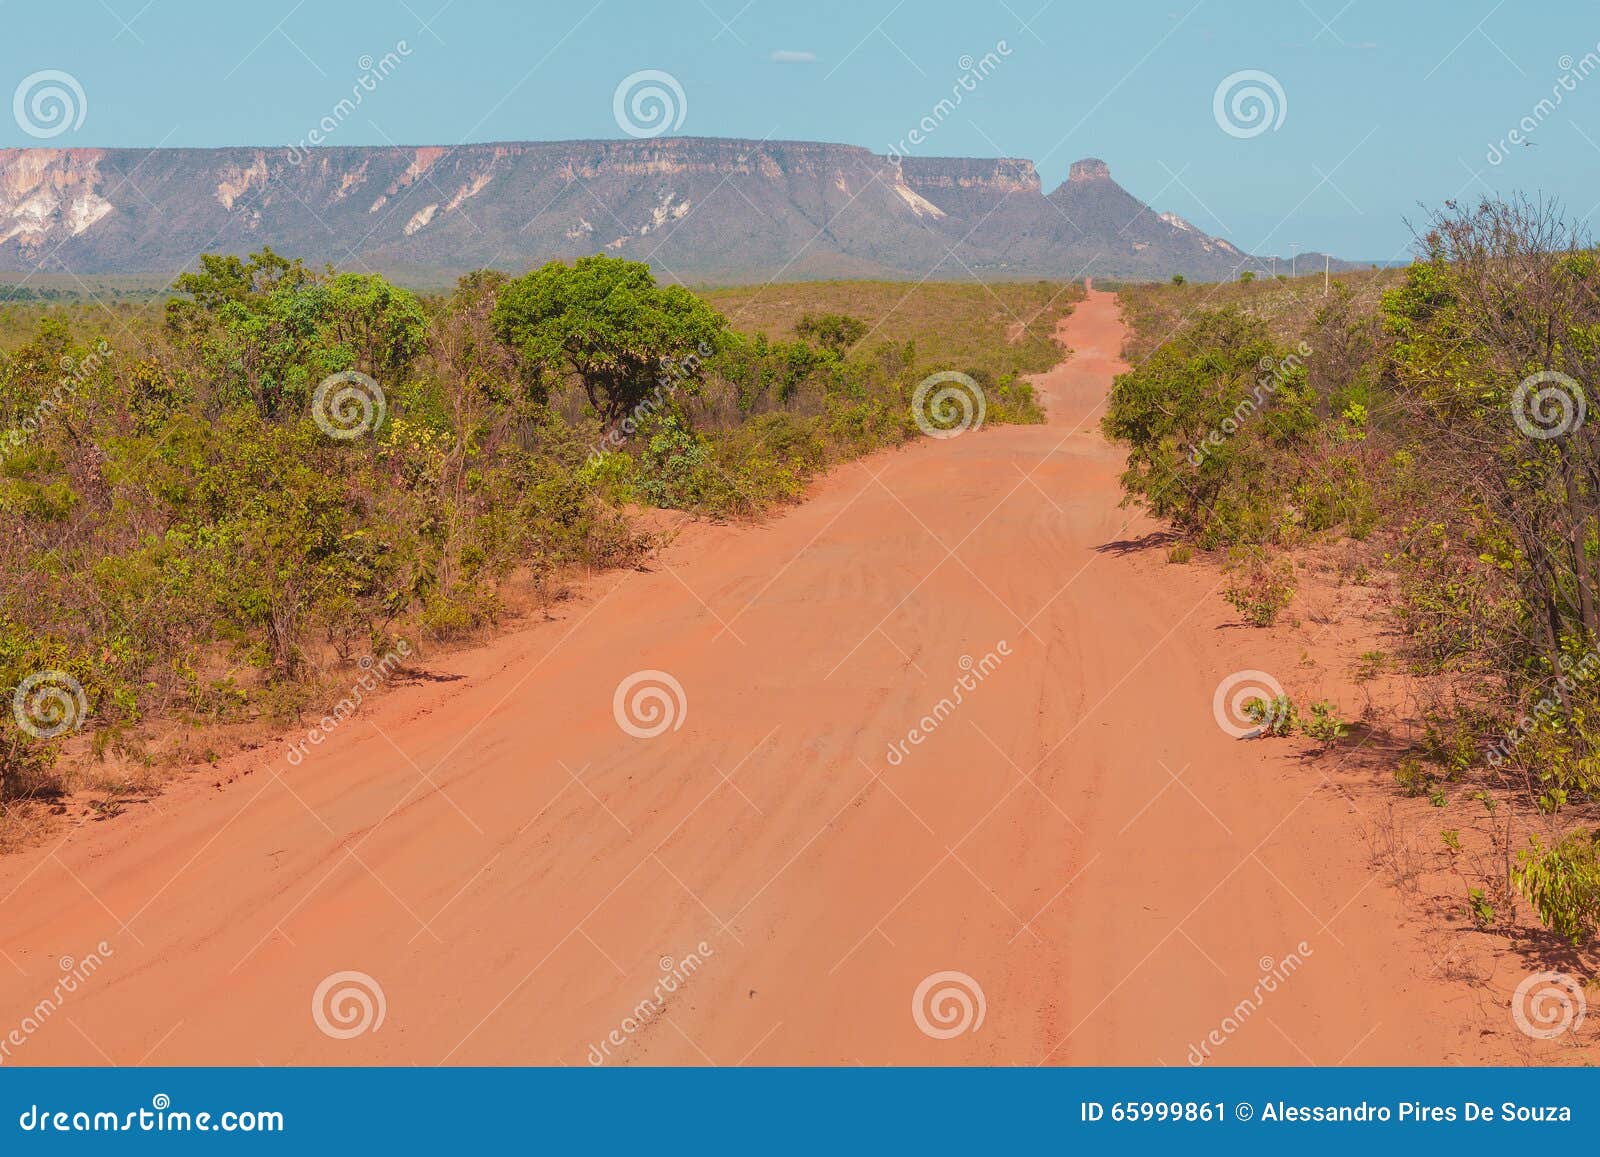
(608, 322)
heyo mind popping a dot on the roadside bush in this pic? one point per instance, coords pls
(1563, 884)
(1263, 591)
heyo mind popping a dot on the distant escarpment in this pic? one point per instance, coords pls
(697, 209)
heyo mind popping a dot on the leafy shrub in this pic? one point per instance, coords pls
(1275, 717)
(1563, 884)
(1412, 778)
(1325, 726)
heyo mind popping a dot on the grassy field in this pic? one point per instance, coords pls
(1006, 328)
(1155, 310)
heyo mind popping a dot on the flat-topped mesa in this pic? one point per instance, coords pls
(1088, 169)
(697, 208)
(1001, 175)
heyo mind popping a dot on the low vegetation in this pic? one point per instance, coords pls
(214, 505)
(1443, 416)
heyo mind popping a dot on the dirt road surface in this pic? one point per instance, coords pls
(1074, 864)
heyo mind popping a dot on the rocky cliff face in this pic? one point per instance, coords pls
(697, 209)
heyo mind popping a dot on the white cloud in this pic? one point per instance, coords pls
(791, 56)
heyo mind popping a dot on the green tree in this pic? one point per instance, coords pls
(607, 321)
(272, 329)
(832, 331)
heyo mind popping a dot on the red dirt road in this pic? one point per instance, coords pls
(515, 873)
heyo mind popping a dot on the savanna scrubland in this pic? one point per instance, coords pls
(1427, 431)
(220, 502)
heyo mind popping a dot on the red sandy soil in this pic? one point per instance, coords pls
(1079, 837)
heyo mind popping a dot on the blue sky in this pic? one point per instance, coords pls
(1385, 105)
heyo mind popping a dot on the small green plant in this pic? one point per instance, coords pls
(1180, 554)
(1437, 796)
(1325, 726)
(1452, 838)
(1482, 911)
(1262, 594)
(1369, 665)
(1276, 716)
(1412, 777)
(1552, 801)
